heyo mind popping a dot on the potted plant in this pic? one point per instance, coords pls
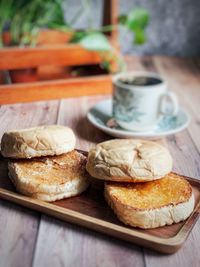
(38, 22)
(31, 23)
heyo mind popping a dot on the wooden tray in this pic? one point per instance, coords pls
(90, 210)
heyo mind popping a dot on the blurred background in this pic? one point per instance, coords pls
(174, 27)
(145, 27)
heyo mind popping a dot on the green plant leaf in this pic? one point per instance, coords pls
(137, 19)
(139, 37)
(122, 19)
(77, 36)
(96, 41)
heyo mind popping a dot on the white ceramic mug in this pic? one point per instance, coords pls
(139, 107)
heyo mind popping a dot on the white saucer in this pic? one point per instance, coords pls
(102, 112)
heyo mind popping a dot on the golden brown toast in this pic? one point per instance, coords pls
(50, 175)
(151, 204)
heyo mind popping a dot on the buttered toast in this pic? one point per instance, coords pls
(50, 178)
(152, 204)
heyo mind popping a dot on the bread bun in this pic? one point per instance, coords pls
(129, 160)
(151, 204)
(50, 178)
(36, 142)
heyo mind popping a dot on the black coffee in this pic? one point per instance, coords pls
(140, 81)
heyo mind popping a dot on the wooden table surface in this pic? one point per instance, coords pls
(28, 238)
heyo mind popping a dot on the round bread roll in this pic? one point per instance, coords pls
(50, 178)
(129, 160)
(152, 204)
(36, 142)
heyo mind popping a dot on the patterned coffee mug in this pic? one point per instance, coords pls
(139, 107)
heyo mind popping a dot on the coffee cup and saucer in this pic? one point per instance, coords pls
(142, 106)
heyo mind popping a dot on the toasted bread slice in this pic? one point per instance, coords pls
(50, 178)
(151, 204)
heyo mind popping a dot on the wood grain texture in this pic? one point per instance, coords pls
(185, 158)
(46, 90)
(58, 55)
(20, 116)
(19, 226)
(183, 77)
(73, 246)
(86, 248)
(110, 17)
(90, 210)
(18, 234)
(87, 134)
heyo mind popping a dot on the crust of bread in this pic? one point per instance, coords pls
(129, 160)
(151, 207)
(73, 188)
(39, 141)
(50, 178)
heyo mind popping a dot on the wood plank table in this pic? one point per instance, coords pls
(28, 238)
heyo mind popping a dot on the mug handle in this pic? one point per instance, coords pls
(174, 107)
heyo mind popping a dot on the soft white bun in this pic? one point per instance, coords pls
(39, 141)
(152, 204)
(50, 178)
(129, 160)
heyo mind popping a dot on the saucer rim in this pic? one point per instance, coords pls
(129, 133)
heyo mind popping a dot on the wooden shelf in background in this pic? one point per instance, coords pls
(66, 55)
(63, 88)
(56, 57)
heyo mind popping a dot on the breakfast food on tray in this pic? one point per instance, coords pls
(151, 204)
(43, 163)
(129, 160)
(50, 178)
(139, 187)
(38, 141)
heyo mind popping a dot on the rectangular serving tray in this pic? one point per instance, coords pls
(91, 210)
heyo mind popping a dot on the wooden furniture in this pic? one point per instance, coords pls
(57, 55)
(27, 238)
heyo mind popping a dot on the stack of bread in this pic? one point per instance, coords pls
(139, 184)
(43, 163)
